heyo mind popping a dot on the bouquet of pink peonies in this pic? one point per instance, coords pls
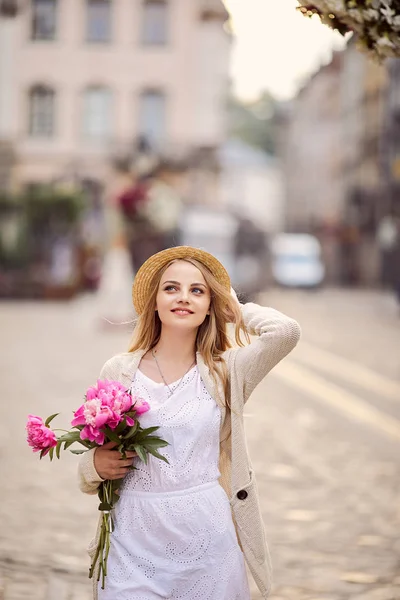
(109, 414)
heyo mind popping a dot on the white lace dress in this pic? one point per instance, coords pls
(174, 537)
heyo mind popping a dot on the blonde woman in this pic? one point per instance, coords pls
(184, 530)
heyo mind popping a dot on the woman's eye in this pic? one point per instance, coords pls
(169, 288)
(198, 290)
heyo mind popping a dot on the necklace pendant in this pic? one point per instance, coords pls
(171, 392)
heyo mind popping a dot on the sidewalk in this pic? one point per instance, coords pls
(361, 325)
(330, 501)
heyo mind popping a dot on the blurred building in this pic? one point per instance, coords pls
(251, 184)
(338, 147)
(363, 106)
(391, 141)
(389, 225)
(87, 83)
(311, 152)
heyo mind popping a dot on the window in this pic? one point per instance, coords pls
(41, 111)
(155, 17)
(152, 116)
(97, 105)
(44, 19)
(98, 23)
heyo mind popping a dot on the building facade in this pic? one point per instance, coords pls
(311, 151)
(251, 185)
(310, 148)
(84, 82)
(340, 162)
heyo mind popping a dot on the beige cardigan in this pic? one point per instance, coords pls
(277, 336)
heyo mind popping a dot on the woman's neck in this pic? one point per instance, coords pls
(176, 348)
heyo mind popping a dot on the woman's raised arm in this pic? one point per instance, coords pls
(277, 334)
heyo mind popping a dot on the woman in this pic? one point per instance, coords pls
(184, 530)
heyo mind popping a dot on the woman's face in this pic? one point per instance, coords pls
(183, 297)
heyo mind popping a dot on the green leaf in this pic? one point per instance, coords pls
(100, 492)
(131, 432)
(157, 455)
(89, 445)
(141, 452)
(72, 436)
(143, 433)
(49, 419)
(58, 449)
(78, 451)
(112, 435)
(116, 483)
(105, 506)
(51, 452)
(42, 454)
(130, 447)
(154, 442)
(120, 428)
(149, 430)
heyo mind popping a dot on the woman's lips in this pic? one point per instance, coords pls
(182, 311)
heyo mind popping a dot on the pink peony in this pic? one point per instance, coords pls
(40, 437)
(106, 405)
(118, 400)
(140, 405)
(92, 434)
(93, 413)
(79, 416)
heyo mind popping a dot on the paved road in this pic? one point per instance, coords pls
(323, 429)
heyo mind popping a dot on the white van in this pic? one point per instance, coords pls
(296, 260)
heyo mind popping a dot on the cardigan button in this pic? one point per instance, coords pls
(242, 494)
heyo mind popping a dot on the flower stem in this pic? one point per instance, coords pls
(100, 558)
(101, 545)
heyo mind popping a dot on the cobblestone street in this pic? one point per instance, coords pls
(323, 431)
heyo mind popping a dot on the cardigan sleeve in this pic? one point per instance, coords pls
(277, 335)
(88, 477)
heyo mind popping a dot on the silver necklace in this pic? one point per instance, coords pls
(163, 378)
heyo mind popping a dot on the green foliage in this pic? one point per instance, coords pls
(47, 206)
(27, 220)
(253, 122)
(14, 238)
(49, 419)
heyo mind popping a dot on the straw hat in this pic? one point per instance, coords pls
(146, 273)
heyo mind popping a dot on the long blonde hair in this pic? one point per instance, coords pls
(212, 337)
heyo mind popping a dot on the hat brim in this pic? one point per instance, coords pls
(145, 275)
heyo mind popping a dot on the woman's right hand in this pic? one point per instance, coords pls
(109, 463)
